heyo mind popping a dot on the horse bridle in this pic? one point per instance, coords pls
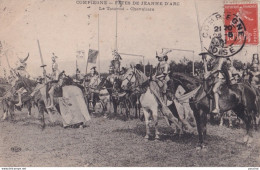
(129, 80)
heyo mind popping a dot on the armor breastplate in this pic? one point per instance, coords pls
(93, 81)
(161, 68)
(54, 67)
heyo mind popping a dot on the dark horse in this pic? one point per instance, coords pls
(237, 97)
(125, 98)
(10, 98)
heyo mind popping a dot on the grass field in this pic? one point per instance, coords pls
(115, 142)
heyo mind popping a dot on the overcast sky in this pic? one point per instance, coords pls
(63, 27)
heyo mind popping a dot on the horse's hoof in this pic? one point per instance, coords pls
(157, 138)
(249, 141)
(204, 148)
(198, 148)
(146, 138)
(245, 139)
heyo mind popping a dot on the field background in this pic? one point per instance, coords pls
(116, 142)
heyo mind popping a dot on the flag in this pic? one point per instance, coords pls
(80, 54)
(92, 56)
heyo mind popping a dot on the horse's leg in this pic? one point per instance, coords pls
(155, 119)
(29, 107)
(230, 119)
(11, 110)
(108, 104)
(242, 114)
(127, 111)
(221, 120)
(4, 116)
(249, 129)
(146, 116)
(114, 101)
(41, 109)
(4, 104)
(199, 127)
(137, 115)
(204, 126)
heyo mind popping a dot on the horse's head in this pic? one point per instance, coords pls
(129, 79)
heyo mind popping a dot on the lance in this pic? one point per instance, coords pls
(43, 65)
(201, 43)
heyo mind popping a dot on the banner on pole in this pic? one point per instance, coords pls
(92, 56)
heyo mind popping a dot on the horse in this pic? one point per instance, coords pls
(150, 101)
(236, 97)
(9, 99)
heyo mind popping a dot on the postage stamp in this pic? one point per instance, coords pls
(248, 13)
(214, 33)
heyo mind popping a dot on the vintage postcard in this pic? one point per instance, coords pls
(129, 83)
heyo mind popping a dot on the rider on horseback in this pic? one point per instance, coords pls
(255, 71)
(21, 73)
(234, 74)
(219, 78)
(55, 78)
(162, 71)
(115, 63)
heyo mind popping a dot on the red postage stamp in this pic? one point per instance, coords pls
(241, 15)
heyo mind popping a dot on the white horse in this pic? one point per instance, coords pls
(134, 79)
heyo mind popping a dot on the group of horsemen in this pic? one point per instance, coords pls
(161, 76)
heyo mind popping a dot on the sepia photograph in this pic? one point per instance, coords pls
(129, 83)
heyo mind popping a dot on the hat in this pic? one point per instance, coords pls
(163, 53)
(54, 56)
(23, 60)
(93, 68)
(255, 55)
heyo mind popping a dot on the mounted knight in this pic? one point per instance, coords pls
(255, 72)
(56, 80)
(162, 71)
(115, 63)
(19, 83)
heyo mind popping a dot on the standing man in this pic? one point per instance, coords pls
(94, 82)
(115, 63)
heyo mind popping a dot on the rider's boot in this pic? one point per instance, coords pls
(165, 99)
(19, 99)
(91, 97)
(216, 98)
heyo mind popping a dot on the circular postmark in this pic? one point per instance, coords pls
(223, 35)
